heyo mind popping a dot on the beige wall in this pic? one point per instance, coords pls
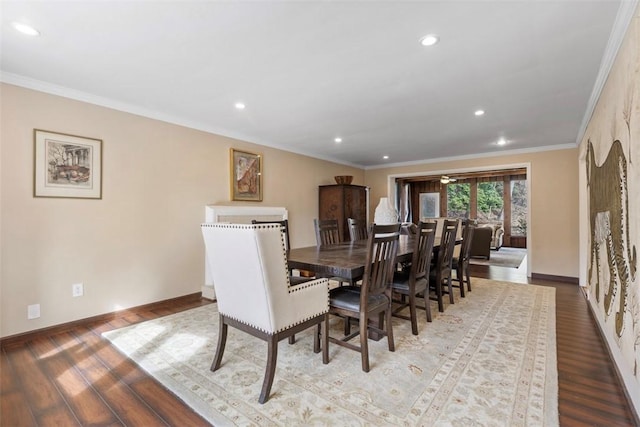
(141, 243)
(553, 218)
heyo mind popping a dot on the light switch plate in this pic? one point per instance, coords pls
(33, 311)
(77, 290)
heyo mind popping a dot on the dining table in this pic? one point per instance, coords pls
(346, 260)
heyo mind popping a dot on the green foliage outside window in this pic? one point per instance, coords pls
(490, 203)
(490, 200)
(519, 207)
(458, 200)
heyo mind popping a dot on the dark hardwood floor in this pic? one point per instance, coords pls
(73, 376)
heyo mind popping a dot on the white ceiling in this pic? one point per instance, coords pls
(309, 71)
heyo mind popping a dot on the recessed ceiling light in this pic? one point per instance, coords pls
(502, 141)
(240, 105)
(26, 29)
(479, 113)
(385, 157)
(338, 140)
(429, 40)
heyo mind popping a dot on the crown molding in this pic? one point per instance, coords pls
(624, 17)
(475, 156)
(76, 95)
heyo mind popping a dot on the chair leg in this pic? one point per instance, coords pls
(222, 340)
(412, 314)
(427, 305)
(460, 277)
(392, 345)
(439, 295)
(347, 326)
(466, 270)
(450, 287)
(292, 339)
(316, 337)
(324, 331)
(364, 342)
(270, 371)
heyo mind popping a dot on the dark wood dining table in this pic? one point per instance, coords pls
(345, 260)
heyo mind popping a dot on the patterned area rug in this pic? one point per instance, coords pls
(488, 360)
(505, 257)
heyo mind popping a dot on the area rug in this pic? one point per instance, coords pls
(488, 360)
(505, 257)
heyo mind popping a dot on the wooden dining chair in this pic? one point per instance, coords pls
(249, 270)
(460, 264)
(440, 273)
(294, 280)
(327, 231)
(414, 282)
(373, 297)
(357, 229)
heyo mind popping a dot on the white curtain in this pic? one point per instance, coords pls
(403, 201)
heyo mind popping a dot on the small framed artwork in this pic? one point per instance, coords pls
(246, 176)
(429, 205)
(67, 166)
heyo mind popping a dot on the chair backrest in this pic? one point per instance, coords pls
(285, 229)
(467, 237)
(422, 251)
(382, 248)
(248, 265)
(327, 231)
(357, 229)
(447, 245)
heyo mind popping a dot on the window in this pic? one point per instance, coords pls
(519, 207)
(490, 200)
(458, 200)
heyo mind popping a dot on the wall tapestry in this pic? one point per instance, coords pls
(612, 255)
(611, 159)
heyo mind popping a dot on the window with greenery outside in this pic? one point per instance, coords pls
(519, 207)
(458, 200)
(490, 200)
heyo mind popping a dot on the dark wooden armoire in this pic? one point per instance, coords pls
(341, 202)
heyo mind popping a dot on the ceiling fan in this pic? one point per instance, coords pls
(444, 179)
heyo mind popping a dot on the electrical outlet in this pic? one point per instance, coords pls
(33, 311)
(77, 290)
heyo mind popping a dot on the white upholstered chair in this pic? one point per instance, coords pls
(251, 279)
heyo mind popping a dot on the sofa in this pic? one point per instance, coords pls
(481, 243)
(488, 235)
(497, 232)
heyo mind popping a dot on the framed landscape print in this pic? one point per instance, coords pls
(246, 176)
(67, 166)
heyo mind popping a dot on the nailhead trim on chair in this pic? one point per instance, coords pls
(290, 288)
(279, 330)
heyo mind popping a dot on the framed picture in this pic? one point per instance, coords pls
(67, 165)
(429, 205)
(246, 176)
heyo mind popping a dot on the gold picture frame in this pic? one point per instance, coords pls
(246, 176)
(67, 166)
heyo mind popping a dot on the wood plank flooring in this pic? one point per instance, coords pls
(74, 377)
